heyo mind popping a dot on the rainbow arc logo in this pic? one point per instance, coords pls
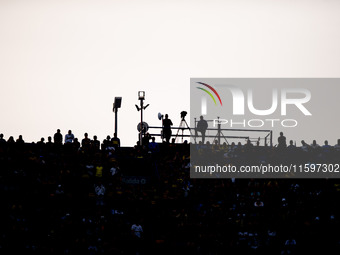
(209, 93)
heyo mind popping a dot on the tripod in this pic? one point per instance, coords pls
(184, 125)
(219, 133)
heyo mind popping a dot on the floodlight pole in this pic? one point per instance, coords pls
(117, 104)
(141, 122)
(116, 114)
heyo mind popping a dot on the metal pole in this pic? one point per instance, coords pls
(141, 122)
(116, 114)
(271, 138)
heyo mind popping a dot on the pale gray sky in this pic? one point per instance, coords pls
(62, 62)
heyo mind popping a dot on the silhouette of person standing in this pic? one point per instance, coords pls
(115, 141)
(202, 126)
(167, 123)
(58, 137)
(282, 142)
(86, 142)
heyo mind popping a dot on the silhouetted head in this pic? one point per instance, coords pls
(1, 136)
(86, 135)
(166, 116)
(49, 139)
(42, 139)
(314, 142)
(58, 130)
(291, 142)
(95, 138)
(281, 133)
(69, 132)
(326, 142)
(201, 117)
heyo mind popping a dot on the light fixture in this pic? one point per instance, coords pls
(117, 104)
(141, 95)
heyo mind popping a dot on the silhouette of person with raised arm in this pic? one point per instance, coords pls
(202, 126)
(167, 123)
(304, 146)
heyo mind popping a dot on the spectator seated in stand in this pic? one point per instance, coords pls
(153, 146)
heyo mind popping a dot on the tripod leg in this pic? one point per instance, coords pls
(190, 130)
(180, 125)
(224, 138)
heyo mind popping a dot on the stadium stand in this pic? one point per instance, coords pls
(62, 199)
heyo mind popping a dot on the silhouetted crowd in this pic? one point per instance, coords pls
(249, 154)
(89, 197)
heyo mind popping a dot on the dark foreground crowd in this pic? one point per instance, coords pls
(100, 198)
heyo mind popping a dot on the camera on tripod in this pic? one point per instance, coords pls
(183, 114)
